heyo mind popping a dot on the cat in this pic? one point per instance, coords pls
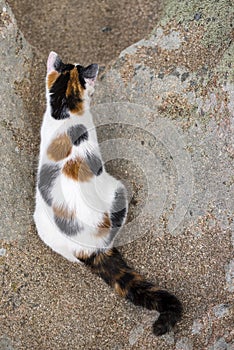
(79, 206)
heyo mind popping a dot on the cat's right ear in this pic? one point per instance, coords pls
(54, 62)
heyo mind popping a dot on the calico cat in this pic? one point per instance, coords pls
(79, 206)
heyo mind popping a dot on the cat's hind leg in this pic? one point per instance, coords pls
(118, 212)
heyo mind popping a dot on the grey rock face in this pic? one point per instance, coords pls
(221, 344)
(16, 167)
(184, 344)
(164, 114)
(176, 88)
(21, 92)
(230, 275)
(5, 343)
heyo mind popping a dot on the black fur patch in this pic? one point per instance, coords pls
(81, 77)
(78, 134)
(118, 213)
(61, 67)
(125, 279)
(167, 301)
(170, 309)
(60, 103)
(140, 295)
(73, 100)
(58, 100)
(46, 178)
(118, 209)
(94, 163)
(108, 266)
(89, 72)
(117, 218)
(69, 227)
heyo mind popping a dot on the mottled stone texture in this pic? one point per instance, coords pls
(15, 170)
(167, 106)
(183, 72)
(17, 59)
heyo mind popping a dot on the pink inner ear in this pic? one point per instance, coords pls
(91, 82)
(51, 60)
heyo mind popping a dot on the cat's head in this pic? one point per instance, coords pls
(69, 86)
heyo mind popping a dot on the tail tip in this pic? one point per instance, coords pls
(170, 314)
(163, 324)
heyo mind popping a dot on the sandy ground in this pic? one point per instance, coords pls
(88, 31)
(49, 303)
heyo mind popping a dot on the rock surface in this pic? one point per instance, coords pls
(20, 66)
(85, 31)
(164, 114)
(16, 168)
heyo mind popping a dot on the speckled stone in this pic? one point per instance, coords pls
(184, 344)
(168, 104)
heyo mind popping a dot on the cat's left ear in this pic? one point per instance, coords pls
(53, 62)
(90, 74)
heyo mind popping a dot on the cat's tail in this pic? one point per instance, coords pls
(110, 266)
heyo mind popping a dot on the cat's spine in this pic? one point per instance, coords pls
(127, 283)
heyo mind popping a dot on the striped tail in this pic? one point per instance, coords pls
(110, 266)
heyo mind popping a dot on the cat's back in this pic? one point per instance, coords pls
(74, 192)
(75, 197)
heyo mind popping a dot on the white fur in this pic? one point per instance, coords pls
(89, 199)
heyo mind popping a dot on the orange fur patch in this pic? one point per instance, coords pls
(154, 289)
(63, 212)
(104, 226)
(98, 260)
(120, 291)
(109, 252)
(52, 77)
(74, 88)
(78, 170)
(82, 255)
(59, 148)
(137, 277)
